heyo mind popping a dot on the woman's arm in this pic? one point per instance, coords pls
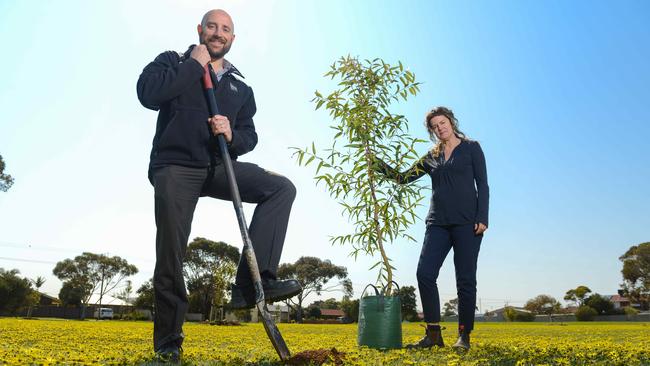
(416, 171)
(480, 176)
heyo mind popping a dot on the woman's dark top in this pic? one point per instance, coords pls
(455, 200)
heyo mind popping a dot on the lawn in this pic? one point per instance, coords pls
(120, 342)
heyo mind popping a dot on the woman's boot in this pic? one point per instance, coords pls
(432, 337)
(463, 339)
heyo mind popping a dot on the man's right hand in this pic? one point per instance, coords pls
(200, 53)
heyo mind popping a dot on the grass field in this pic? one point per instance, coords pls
(49, 342)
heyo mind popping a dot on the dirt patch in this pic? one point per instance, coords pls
(317, 357)
(225, 322)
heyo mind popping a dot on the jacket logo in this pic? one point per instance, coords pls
(233, 87)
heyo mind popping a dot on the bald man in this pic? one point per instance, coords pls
(185, 164)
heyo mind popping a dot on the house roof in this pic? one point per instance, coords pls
(501, 310)
(618, 298)
(48, 296)
(332, 312)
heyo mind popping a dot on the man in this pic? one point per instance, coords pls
(185, 164)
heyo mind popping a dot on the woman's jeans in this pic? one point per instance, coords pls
(438, 240)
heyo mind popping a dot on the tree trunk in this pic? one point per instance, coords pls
(299, 314)
(375, 212)
(101, 290)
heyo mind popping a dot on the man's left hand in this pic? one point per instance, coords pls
(221, 125)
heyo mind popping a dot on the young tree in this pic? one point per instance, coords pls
(636, 274)
(6, 181)
(380, 209)
(209, 269)
(90, 273)
(314, 275)
(409, 303)
(577, 295)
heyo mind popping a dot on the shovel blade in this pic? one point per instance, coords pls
(273, 332)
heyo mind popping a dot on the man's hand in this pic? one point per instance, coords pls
(479, 228)
(220, 125)
(200, 53)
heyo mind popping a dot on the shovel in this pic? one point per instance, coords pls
(249, 254)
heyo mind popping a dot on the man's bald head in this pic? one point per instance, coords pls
(216, 32)
(217, 13)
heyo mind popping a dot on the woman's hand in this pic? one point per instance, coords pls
(479, 228)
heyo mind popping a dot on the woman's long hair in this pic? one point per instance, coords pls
(442, 111)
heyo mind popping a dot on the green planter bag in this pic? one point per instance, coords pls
(380, 320)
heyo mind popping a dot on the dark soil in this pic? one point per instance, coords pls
(224, 322)
(317, 357)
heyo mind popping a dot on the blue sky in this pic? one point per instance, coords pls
(556, 93)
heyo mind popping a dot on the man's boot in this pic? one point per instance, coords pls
(432, 337)
(169, 353)
(463, 339)
(243, 297)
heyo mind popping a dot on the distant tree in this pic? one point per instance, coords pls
(72, 294)
(38, 282)
(144, 300)
(510, 314)
(513, 315)
(91, 273)
(14, 291)
(585, 313)
(6, 181)
(450, 308)
(543, 304)
(577, 295)
(125, 295)
(314, 274)
(630, 312)
(351, 308)
(313, 311)
(331, 303)
(600, 303)
(35, 296)
(209, 269)
(636, 274)
(409, 303)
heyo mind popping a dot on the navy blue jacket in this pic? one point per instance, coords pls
(455, 200)
(171, 84)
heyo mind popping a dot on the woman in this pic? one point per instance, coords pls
(457, 218)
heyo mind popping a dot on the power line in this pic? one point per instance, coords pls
(27, 260)
(60, 249)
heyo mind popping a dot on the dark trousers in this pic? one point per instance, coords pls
(438, 240)
(177, 190)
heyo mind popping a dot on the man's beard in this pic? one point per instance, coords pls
(217, 54)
